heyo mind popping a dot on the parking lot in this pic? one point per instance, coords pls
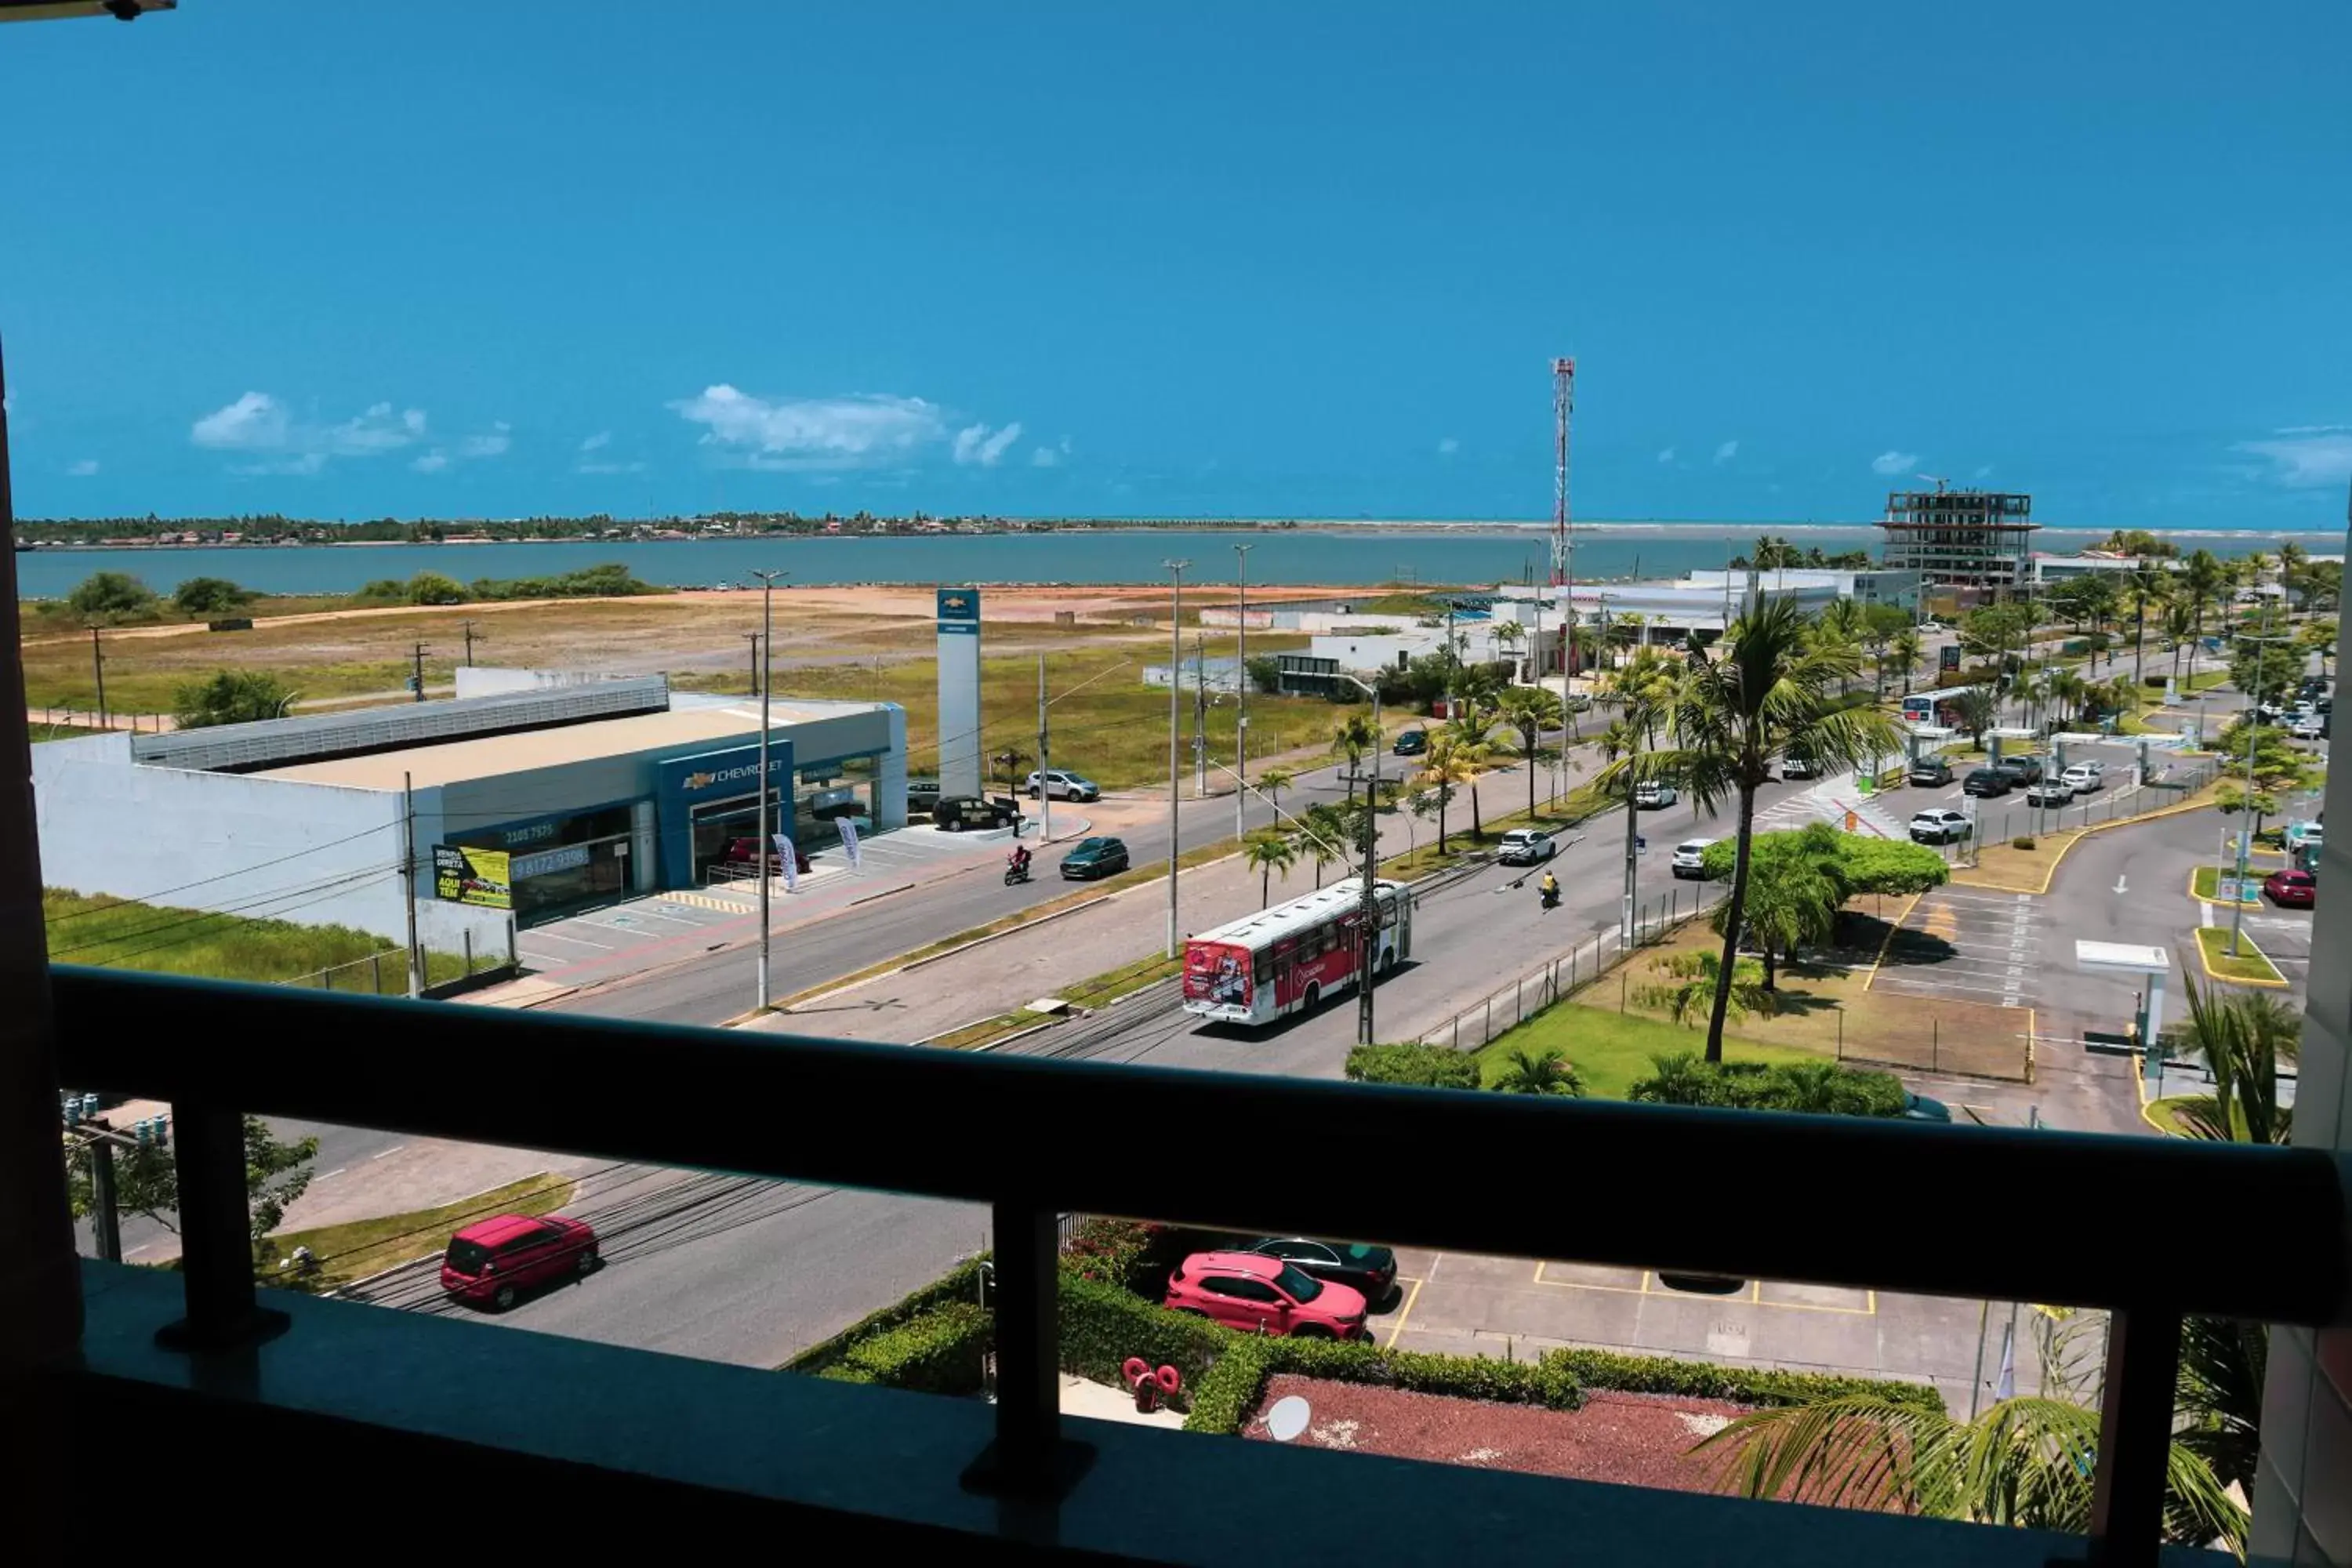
(1518, 1308)
(1970, 944)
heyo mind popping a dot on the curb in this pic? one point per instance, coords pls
(2217, 902)
(2206, 962)
(2080, 834)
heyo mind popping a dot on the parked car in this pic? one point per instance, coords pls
(1092, 858)
(1930, 770)
(1526, 847)
(1938, 827)
(922, 796)
(2023, 769)
(2049, 792)
(1794, 767)
(1653, 796)
(1987, 782)
(2291, 890)
(1410, 742)
(1256, 1294)
(1919, 1107)
(1062, 784)
(1369, 1272)
(495, 1260)
(2084, 777)
(1690, 859)
(962, 812)
(2310, 728)
(745, 850)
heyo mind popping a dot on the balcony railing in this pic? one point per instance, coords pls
(1848, 1201)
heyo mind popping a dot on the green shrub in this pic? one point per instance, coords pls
(2022, 841)
(938, 1352)
(1225, 1395)
(1424, 1067)
(960, 1283)
(1821, 1089)
(1223, 1399)
(1102, 1325)
(1738, 1384)
(1135, 1254)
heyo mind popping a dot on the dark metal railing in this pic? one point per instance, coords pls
(1822, 1200)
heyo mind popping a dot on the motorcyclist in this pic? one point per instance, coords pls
(1018, 860)
(1549, 889)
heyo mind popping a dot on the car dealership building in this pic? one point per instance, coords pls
(529, 793)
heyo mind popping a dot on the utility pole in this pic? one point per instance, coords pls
(2246, 832)
(1368, 914)
(753, 638)
(767, 627)
(1241, 688)
(467, 628)
(98, 669)
(1200, 714)
(1563, 545)
(408, 882)
(105, 1220)
(1044, 792)
(1175, 696)
(418, 655)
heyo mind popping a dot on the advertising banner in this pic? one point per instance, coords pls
(788, 862)
(482, 878)
(848, 840)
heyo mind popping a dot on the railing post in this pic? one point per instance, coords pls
(215, 1236)
(2135, 1438)
(375, 973)
(1028, 1457)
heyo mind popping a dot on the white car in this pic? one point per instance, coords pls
(2084, 777)
(1062, 784)
(1653, 796)
(1938, 827)
(2311, 726)
(1526, 846)
(1690, 859)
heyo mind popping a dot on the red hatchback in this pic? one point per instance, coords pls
(1257, 1294)
(2291, 890)
(495, 1260)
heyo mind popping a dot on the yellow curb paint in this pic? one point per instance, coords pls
(1884, 942)
(1402, 1313)
(2218, 903)
(2080, 834)
(2212, 973)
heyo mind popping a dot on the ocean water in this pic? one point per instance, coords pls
(1363, 556)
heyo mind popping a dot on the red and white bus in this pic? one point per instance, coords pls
(1289, 958)
(1935, 706)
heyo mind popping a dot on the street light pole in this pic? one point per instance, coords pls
(1241, 688)
(1175, 697)
(767, 641)
(2246, 832)
(1368, 914)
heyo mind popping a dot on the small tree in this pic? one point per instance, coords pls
(147, 1184)
(1354, 737)
(1978, 711)
(2279, 768)
(1412, 1063)
(1264, 673)
(1269, 850)
(210, 597)
(1531, 711)
(432, 588)
(1544, 1072)
(2263, 670)
(111, 596)
(230, 696)
(1446, 767)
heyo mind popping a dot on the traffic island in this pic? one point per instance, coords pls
(2218, 885)
(2248, 966)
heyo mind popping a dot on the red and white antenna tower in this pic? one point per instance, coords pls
(1563, 571)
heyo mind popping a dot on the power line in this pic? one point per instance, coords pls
(222, 877)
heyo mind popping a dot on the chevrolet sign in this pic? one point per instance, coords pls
(959, 603)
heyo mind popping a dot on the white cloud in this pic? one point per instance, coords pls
(1667, 455)
(1892, 462)
(261, 425)
(1981, 471)
(1448, 446)
(492, 443)
(1052, 457)
(598, 442)
(637, 467)
(1727, 451)
(2304, 455)
(813, 433)
(979, 443)
(82, 470)
(431, 462)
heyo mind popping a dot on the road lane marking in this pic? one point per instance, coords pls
(381, 1153)
(1402, 1313)
(559, 936)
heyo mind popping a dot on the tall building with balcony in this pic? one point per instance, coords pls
(1975, 546)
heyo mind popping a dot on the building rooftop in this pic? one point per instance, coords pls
(457, 761)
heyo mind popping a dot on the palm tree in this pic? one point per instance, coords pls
(2292, 558)
(1978, 711)
(2181, 625)
(1546, 1072)
(1508, 636)
(1473, 741)
(1762, 690)
(2243, 1038)
(1641, 691)
(1531, 710)
(1269, 850)
(2148, 584)
(1444, 770)
(1324, 834)
(2205, 579)
(1791, 901)
(1272, 782)
(1905, 648)
(1354, 737)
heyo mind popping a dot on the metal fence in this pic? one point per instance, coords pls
(88, 719)
(385, 973)
(2164, 789)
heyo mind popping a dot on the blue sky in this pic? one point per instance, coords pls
(1307, 259)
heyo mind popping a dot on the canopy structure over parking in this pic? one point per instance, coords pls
(2130, 958)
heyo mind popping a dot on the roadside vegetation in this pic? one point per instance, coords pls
(344, 1253)
(2248, 966)
(121, 934)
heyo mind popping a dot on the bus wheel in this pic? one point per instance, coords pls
(1388, 961)
(1314, 997)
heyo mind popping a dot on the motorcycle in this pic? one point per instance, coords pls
(1550, 896)
(1016, 872)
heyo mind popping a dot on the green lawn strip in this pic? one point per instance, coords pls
(2250, 966)
(1612, 1050)
(1097, 991)
(122, 934)
(2166, 1112)
(360, 1247)
(986, 1030)
(2205, 882)
(61, 731)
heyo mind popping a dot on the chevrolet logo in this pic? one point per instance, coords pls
(699, 781)
(955, 602)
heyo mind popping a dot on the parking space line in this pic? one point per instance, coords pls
(559, 936)
(1754, 1297)
(1402, 1313)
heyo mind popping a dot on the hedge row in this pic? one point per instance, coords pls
(1738, 1384)
(1225, 1397)
(938, 1352)
(1102, 1325)
(960, 1283)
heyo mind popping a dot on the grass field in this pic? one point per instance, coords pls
(1612, 1050)
(2251, 966)
(355, 1250)
(121, 934)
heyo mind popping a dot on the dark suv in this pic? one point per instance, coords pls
(922, 796)
(2023, 769)
(1094, 858)
(1930, 770)
(961, 813)
(1987, 782)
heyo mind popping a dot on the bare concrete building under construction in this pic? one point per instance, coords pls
(1969, 547)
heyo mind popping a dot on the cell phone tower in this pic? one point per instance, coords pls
(1563, 569)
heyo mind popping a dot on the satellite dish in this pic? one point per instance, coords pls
(1287, 1419)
